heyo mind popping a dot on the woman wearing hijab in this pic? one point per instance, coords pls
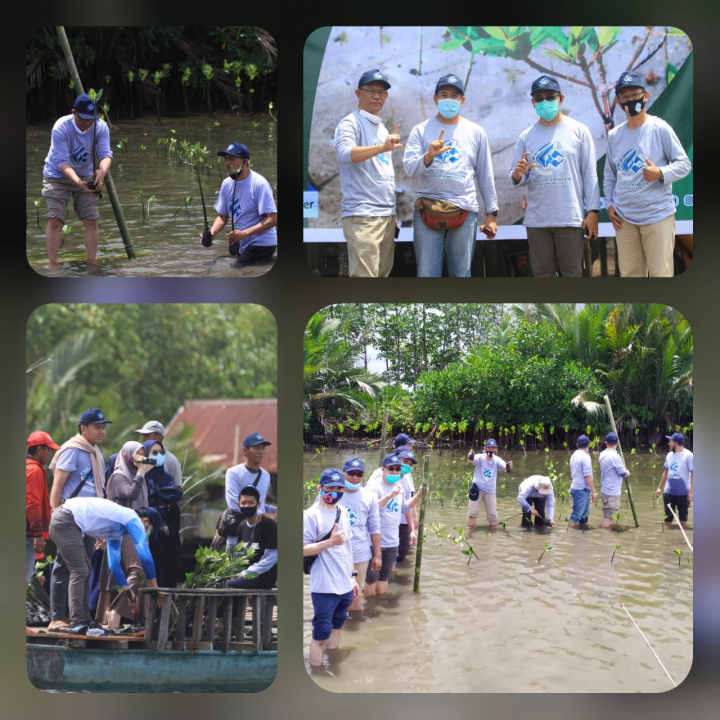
(164, 495)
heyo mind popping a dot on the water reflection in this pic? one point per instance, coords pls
(508, 623)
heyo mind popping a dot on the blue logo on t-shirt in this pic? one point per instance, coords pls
(393, 506)
(549, 156)
(487, 474)
(236, 207)
(384, 158)
(632, 161)
(354, 519)
(453, 155)
(80, 155)
(674, 466)
(87, 474)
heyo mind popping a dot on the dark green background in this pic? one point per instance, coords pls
(293, 295)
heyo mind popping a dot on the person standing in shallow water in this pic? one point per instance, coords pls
(484, 485)
(582, 489)
(677, 479)
(612, 472)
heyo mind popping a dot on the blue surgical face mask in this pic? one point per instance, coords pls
(331, 497)
(448, 108)
(392, 478)
(547, 109)
(147, 534)
(406, 469)
(352, 487)
(159, 459)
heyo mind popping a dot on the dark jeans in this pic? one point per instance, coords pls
(539, 505)
(404, 546)
(330, 613)
(679, 503)
(252, 254)
(389, 555)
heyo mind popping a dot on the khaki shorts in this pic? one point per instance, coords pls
(370, 245)
(611, 504)
(361, 570)
(490, 500)
(57, 193)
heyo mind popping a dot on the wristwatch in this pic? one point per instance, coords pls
(353, 574)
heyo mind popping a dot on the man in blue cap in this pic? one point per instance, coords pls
(644, 158)
(69, 170)
(247, 197)
(582, 489)
(367, 180)
(333, 584)
(78, 471)
(612, 472)
(554, 160)
(448, 154)
(483, 489)
(677, 479)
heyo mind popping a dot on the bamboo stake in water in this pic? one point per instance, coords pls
(383, 437)
(627, 482)
(648, 644)
(421, 525)
(112, 193)
(682, 529)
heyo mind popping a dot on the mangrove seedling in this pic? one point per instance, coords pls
(37, 211)
(65, 230)
(548, 548)
(616, 518)
(150, 199)
(613, 555)
(469, 552)
(680, 554)
(139, 197)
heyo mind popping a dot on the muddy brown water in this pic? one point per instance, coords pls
(506, 623)
(167, 243)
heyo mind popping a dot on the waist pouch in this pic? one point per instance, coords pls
(440, 214)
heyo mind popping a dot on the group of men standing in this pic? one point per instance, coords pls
(554, 161)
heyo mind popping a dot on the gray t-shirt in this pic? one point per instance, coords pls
(77, 463)
(580, 468)
(362, 510)
(452, 176)
(563, 183)
(485, 475)
(172, 465)
(612, 471)
(679, 466)
(70, 146)
(368, 187)
(332, 571)
(634, 199)
(390, 514)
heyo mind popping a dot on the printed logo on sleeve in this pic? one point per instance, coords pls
(80, 156)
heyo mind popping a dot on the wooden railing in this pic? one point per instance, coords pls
(205, 615)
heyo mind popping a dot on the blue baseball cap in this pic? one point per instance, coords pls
(491, 443)
(545, 82)
(629, 79)
(407, 455)
(236, 150)
(85, 107)
(403, 439)
(331, 477)
(452, 80)
(583, 441)
(353, 463)
(254, 439)
(677, 437)
(391, 459)
(373, 76)
(93, 416)
(611, 437)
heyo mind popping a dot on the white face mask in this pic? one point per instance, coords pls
(374, 119)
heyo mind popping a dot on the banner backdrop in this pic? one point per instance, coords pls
(498, 66)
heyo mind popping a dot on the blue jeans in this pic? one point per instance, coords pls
(458, 245)
(581, 506)
(330, 613)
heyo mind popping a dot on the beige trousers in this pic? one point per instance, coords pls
(371, 245)
(646, 249)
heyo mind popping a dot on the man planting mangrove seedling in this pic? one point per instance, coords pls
(581, 487)
(612, 472)
(68, 172)
(100, 519)
(536, 498)
(362, 510)
(484, 485)
(392, 501)
(79, 471)
(246, 199)
(328, 558)
(258, 535)
(677, 479)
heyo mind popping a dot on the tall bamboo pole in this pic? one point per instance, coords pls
(383, 438)
(421, 525)
(627, 482)
(112, 193)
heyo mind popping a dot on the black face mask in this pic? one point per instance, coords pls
(635, 107)
(249, 512)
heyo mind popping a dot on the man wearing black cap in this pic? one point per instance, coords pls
(678, 474)
(248, 198)
(555, 160)
(69, 168)
(449, 155)
(644, 157)
(79, 471)
(367, 180)
(249, 472)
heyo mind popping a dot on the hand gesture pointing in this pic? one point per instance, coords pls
(522, 167)
(651, 172)
(438, 147)
(392, 141)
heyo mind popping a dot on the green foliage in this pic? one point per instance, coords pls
(213, 568)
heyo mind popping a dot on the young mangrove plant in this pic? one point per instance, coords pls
(613, 555)
(37, 204)
(139, 197)
(680, 554)
(548, 548)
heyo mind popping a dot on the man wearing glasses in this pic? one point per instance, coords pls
(367, 180)
(644, 156)
(555, 160)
